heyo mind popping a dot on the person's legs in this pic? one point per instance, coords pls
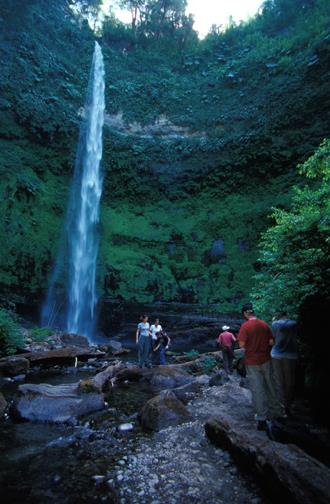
(162, 356)
(225, 358)
(144, 350)
(230, 360)
(140, 350)
(289, 372)
(274, 407)
(279, 380)
(257, 387)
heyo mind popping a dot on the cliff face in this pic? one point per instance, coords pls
(199, 144)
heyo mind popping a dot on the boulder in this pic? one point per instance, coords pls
(55, 403)
(187, 392)
(219, 379)
(161, 377)
(75, 340)
(114, 345)
(291, 474)
(3, 405)
(168, 377)
(163, 411)
(14, 365)
(62, 356)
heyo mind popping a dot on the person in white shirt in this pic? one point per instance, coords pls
(155, 329)
(143, 341)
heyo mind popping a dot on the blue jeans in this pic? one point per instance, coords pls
(144, 350)
(162, 355)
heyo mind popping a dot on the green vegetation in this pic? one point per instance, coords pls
(40, 333)
(201, 140)
(295, 251)
(10, 335)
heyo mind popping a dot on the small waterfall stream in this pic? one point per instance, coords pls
(78, 268)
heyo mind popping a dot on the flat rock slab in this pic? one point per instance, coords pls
(160, 377)
(14, 365)
(60, 356)
(55, 403)
(284, 470)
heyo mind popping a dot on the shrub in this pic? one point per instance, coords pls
(10, 334)
(40, 333)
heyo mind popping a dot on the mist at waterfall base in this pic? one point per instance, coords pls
(72, 298)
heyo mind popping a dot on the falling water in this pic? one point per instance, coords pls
(83, 214)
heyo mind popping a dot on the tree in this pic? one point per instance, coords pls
(136, 8)
(295, 251)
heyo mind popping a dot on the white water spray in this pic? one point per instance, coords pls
(83, 215)
(82, 228)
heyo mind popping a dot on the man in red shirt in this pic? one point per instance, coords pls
(226, 341)
(256, 338)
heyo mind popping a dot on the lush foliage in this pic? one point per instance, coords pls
(201, 140)
(295, 254)
(10, 335)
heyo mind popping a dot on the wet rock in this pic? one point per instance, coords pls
(3, 405)
(291, 474)
(121, 351)
(98, 478)
(219, 379)
(125, 427)
(60, 403)
(165, 377)
(19, 378)
(102, 380)
(13, 365)
(187, 392)
(75, 340)
(114, 345)
(62, 356)
(202, 379)
(163, 411)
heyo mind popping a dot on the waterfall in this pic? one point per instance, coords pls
(81, 243)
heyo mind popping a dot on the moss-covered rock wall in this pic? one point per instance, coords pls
(200, 143)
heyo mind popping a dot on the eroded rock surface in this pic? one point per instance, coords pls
(288, 470)
(162, 411)
(55, 403)
(3, 405)
(13, 365)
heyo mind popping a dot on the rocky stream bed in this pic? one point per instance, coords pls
(120, 434)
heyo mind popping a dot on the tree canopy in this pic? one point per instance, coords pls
(295, 251)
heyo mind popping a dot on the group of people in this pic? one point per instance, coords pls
(270, 359)
(152, 343)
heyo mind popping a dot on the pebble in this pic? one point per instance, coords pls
(125, 427)
(98, 478)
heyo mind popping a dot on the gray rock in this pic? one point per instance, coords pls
(13, 366)
(163, 411)
(3, 405)
(219, 379)
(187, 392)
(60, 403)
(286, 469)
(114, 345)
(125, 427)
(169, 377)
(75, 340)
